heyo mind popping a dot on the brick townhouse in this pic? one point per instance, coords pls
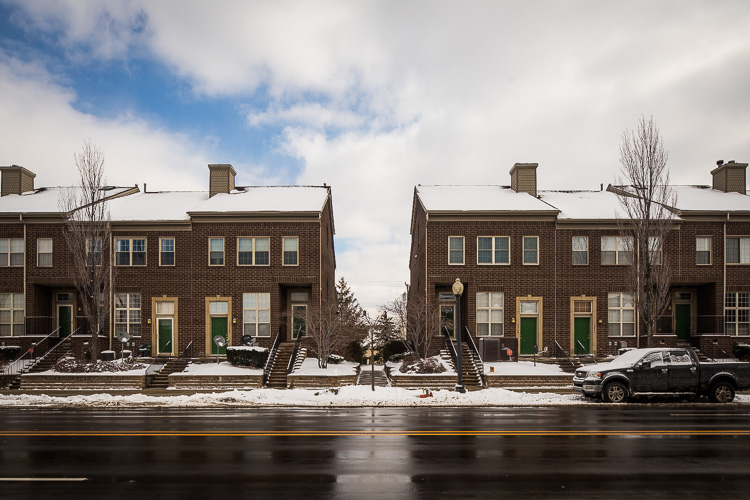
(188, 266)
(547, 268)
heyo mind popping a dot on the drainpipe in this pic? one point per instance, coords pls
(724, 279)
(555, 287)
(111, 291)
(25, 255)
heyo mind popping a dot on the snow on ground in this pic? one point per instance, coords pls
(222, 368)
(395, 368)
(140, 371)
(310, 367)
(522, 368)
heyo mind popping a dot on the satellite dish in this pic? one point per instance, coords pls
(220, 341)
(123, 336)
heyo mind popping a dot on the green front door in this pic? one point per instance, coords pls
(299, 320)
(64, 314)
(164, 326)
(448, 320)
(218, 327)
(682, 321)
(528, 335)
(582, 336)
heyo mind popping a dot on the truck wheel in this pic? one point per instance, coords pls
(721, 392)
(615, 392)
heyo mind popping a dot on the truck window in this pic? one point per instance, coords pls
(680, 358)
(653, 359)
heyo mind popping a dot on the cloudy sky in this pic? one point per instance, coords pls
(371, 98)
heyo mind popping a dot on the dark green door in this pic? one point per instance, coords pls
(165, 335)
(528, 335)
(299, 320)
(218, 327)
(682, 321)
(64, 314)
(448, 320)
(582, 336)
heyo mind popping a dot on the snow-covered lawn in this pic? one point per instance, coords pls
(310, 367)
(522, 368)
(218, 369)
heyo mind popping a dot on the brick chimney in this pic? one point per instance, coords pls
(730, 177)
(221, 178)
(523, 178)
(16, 180)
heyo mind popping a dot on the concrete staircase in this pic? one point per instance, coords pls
(277, 376)
(366, 376)
(470, 374)
(161, 379)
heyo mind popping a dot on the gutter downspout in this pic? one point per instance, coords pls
(111, 294)
(555, 286)
(25, 255)
(426, 275)
(724, 280)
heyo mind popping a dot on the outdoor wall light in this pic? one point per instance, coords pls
(148, 321)
(234, 320)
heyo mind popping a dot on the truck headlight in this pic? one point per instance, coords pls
(594, 375)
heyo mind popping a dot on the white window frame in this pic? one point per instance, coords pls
(130, 252)
(162, 251)
(620, 251)
(463, 251)
(698, 251)
(736, 310)
(620, 309)
(15, 326)
(284, 251)
(655, 250)
(132, 314)
(493, 251)
(575, 251)
(489, 310)
(40, 254)
(254, 251)
(7, 252)
(742, 239)
(97, 243)
(536, 250)
(254, 316)
(223, 251)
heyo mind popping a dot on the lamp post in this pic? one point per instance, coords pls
(458, 289)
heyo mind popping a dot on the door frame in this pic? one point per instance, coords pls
(66, 303)
(209, 335)
(155, 327)
(693, 309)
(592, 324)
(538, 316)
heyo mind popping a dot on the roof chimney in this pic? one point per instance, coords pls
(16, 180)
(730, 177)
(221, 178)
(523, 178)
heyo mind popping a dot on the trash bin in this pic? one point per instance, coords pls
(108, 355)
(127, 353)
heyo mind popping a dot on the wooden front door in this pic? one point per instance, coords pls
(65, 320)
(582, 336)
(219, 327)
(164, 328)
(528, 336)
(299, 320)
(682, 315)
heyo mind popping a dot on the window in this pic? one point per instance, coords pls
(256, 309)
(490, 314)
(654, 250)
(44, 252)
(737, 313)
(493, 250)
(128, 313)
(216, 251)
(253, 252)
(738, 250)
(11, 252)
(290, 246)
(130, 252)
(11, 314)
(580, 250)
(456, 250)
(94, 252)
(621, 315)
(703, 250)
(166, 251)
(617, 250)
(530, 250)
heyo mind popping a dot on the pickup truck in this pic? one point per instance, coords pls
(662, 370)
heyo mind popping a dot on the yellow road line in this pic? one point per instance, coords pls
(727, 432)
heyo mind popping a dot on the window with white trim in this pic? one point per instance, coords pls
(621, 314)
(738, 250)
(11, 252)
(490, 314)
(654, 250)
(44, 252)
(253, 252)
(256, 311)
(130, 252)
(11, 314)
(530, 250)
(703, 246)
(216, 251)
(737, 313)
(493, 250)
(166, 251)
(128, 313)
(617, 250)
(94, 252)
(456, 250)
(580, 250)
(290, 248)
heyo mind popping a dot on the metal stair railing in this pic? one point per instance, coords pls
(586, 351)
(474, 352)
(21, 365)
(451, 348)
(271, 357)
(293, 357)
(159, 362)
(559, 350)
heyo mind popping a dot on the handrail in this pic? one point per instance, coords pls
(293, 357)
(713, 354)
(582, 347)
(16, 367)
(158, 359)
(565, 354)
(271, 356)
(474, 351)
(451, 348)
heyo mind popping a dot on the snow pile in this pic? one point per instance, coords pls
(218, 369)
(523, 368)
(246, 348)
(72, 365)
(310, 368)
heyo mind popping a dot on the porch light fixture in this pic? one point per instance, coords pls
(458, 289)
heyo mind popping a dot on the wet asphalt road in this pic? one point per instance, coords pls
(658, 451)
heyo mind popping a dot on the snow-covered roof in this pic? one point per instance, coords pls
(580, 205)
(172, 206)
(704, 198)
(479, 199)
(43, 200)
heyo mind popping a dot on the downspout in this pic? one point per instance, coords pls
(25, 254)
(111, 292)
(555, 286)
(724, 280)
(426, 275)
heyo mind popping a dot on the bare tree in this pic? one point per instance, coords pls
(646, 199)
(327, 331)
(418, 322)
(87, 236)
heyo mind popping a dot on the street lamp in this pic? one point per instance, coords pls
(458, 289)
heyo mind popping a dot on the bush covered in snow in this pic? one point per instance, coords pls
(413, 364)
(335, 359)
(9, 353)
(72, 365)
(741, 351)
(254, 357)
